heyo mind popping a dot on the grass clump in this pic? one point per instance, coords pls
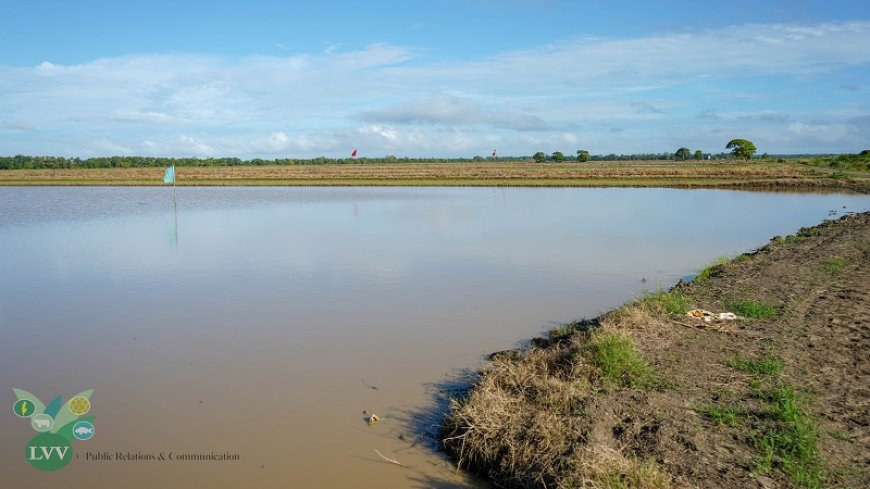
(521, 419)
(672, 302)
(752, 309)
(786, 434)
(839, 435)
(705, 273)
(525, 423)
(859, 161)
(764, 367)
(791, 441)
(611, 469)
(835, 266)
(726, 415)
(620, 364)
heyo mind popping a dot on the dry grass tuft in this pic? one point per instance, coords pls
(521, 419)
(612, 469)
(524, 424)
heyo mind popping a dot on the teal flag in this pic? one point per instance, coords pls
(169, 176)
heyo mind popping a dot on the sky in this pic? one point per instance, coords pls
(445, 78)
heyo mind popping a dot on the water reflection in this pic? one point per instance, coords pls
(282, 299)
(173, 236)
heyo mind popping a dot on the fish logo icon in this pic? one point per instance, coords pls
(83, 430)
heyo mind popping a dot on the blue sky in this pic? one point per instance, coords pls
(274, 79)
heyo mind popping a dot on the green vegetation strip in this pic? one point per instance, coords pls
(752, 309)
(705, 273)
(791, 442)
(836, 265)
(672, 302)
(763, 367)
(621, 365)
(653, 181)
(781, 427)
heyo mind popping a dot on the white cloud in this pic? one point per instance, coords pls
(822, 132)
(443, 108)
(180, 145)
(17, 126)
(395, 100)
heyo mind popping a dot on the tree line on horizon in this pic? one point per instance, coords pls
(59, 162)
(739, 149)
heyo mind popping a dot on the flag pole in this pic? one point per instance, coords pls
(174, 177)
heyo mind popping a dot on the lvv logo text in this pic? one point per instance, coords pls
(57, 425)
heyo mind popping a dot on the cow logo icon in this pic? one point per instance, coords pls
(42, 422)
(24, 408)
(58, 425)
(83, 430)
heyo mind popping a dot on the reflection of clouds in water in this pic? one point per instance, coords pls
(567, 232)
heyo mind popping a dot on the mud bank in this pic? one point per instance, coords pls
(646, 396)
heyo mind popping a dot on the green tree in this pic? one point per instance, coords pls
(558, 156)
(683, 154)
(699, 155)
(539, 156)
(741, 148)
(582, 155)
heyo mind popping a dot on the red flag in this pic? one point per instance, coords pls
(353, 155)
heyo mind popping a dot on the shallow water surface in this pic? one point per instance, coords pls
(263, 322)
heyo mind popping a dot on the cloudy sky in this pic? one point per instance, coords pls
(275, 79)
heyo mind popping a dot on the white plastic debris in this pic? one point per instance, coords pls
(708, 316)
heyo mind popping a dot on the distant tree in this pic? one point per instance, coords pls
(390, 159)
(582, 155)
(478, 158)
(699, 155)
(741, 148)
(539, 156)
(683, 154)
(558, 156)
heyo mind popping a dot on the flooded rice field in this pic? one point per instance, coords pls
(243, 336)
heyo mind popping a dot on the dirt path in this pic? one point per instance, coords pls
(648, 397)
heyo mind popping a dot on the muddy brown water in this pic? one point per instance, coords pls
(263, 322)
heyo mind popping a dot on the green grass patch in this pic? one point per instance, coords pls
(839, 435)
(791, 441)
(836, 265)
(668, 302)
(782, 428)
(752, 309)
(779, 240)
(859, 161)
(561, 332)
(620, 364)
(764, 367)
(704, 274)
(726, 415)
